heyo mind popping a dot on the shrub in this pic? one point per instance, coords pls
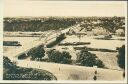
(52, 44)
(121, 57)
(7, 63)
(60, 37)
(13, 72)
(86, 58)
(59, 57)
(37, 53)
(99, 63)
(22, 56)
(58, 40)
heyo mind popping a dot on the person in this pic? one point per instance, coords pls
(59, 68)
(94, 78)
(95, 72)
(124, 74)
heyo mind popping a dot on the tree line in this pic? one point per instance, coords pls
(56, 23)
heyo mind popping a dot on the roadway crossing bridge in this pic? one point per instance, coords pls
(13, 54)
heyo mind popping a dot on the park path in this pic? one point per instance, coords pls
(72, 72)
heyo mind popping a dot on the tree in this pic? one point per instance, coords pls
(7, 63)
(60, 37)
(66, 57)
(86, 58)
(121, 57)
(8, 67)
(13, 72)
(59, 57)
(99, 63)
(37, 53)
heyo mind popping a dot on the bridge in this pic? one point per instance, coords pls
(13, 54)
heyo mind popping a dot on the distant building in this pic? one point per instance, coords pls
(120, 32)
(100, 31)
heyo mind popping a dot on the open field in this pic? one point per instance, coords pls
(108, 58)
(105, 44)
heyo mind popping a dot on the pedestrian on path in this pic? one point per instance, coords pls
(95, 77)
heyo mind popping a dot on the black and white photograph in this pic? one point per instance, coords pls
(57, 41)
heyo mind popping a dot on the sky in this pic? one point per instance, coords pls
(15, 8)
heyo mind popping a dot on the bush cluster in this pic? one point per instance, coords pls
(121, 57)
(58, 40)
(22, 56)
(37, 24)
(59, 57)
(86, 58)
(56, 23)
(13, 72)
(37, 53)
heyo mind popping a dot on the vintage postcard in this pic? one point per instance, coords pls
(63, 41)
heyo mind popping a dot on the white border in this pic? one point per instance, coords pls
(1, 40)
(126, 42)
(58, 81)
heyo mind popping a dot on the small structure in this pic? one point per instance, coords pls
(100, 31)
(120, 32)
